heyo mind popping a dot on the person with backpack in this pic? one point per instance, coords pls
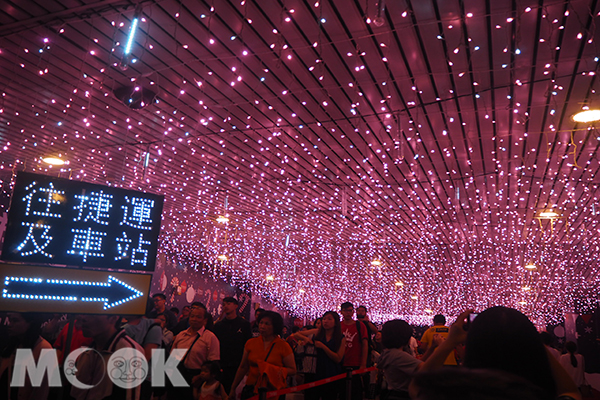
(357, 347)
(149, 334)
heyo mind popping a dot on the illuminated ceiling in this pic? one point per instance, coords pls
(427, 135)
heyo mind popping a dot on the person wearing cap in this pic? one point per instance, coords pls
(232, 331)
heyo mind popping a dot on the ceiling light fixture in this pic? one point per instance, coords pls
(379, 20)
(587, 116)
(129, 44)
(52, 160)
(222, 257)
(222, 219)
(530, 266)
(270, 278)
(376, 263)
(549, 214)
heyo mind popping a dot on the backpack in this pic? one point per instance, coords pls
(161, 345)
(370, 344)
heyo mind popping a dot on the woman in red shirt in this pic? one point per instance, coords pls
(267, 352)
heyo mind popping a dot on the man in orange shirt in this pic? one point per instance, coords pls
(438, 328)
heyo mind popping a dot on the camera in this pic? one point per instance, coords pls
(470, 320)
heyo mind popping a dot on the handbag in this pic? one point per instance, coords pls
(249, 390)
(178, 392)
(188, 373)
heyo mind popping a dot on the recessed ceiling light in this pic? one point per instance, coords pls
(531, 266)
(587, 116)
(53, 160)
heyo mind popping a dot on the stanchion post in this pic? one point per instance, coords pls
(262, 393)
(349, 384)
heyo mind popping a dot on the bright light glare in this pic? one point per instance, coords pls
(548, 214)
(53, 160)
(587, 116)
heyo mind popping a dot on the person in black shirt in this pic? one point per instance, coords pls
(160, 302)
(232, 331)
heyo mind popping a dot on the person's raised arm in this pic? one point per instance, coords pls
(303, 335)
(300, 337)
(436, 341)
(456, 336)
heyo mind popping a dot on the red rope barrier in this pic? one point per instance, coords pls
(276, 393)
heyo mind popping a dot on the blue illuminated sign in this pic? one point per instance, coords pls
(111, 293)
(26, 288)
(59, 221)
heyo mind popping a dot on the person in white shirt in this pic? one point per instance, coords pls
(573, 363)
(202, 346)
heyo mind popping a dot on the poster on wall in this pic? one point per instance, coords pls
(183, 285)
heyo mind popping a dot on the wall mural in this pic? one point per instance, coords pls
(183, 285)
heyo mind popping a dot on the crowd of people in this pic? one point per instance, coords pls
(497, 355)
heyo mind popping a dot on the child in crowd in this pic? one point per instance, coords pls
(211, 389)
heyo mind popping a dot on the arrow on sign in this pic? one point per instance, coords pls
(111, 293)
